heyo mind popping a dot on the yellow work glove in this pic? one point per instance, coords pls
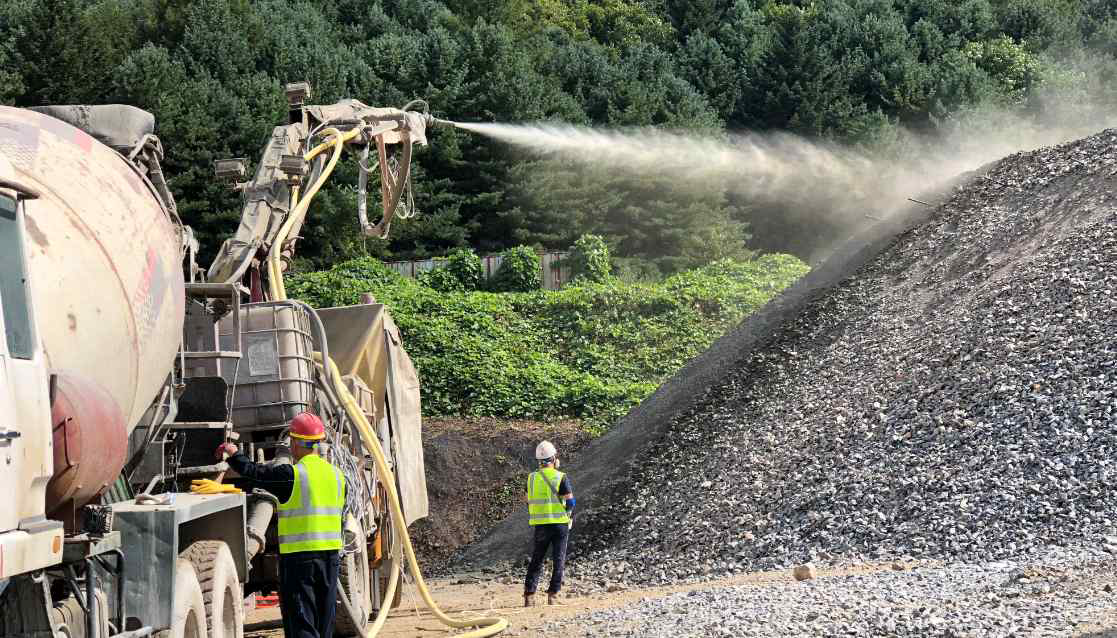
(206, 486)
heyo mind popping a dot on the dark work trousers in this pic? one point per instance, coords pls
(308, 593)
(554, 536)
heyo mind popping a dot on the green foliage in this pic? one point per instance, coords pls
(519, 271)
(623, 23)
(1038, 24)
(466, 267)
(653, 217)
(1014, 68)
(589, 259)
(636, 270)
(852, 71)
(441, 280)
(462, 272)
(847, 70)
(588, 351)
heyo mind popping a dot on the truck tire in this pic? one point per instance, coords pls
(188, 612)
(354, 584)
(221, 590)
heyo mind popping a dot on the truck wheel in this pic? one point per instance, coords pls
(221, 590)
(188, 613)
(354, 585)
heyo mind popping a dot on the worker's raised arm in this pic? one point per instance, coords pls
(277, 479)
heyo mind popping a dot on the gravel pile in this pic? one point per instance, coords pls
(993, 599)
(956, 398)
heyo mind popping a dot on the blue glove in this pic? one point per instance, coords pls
(570, 503)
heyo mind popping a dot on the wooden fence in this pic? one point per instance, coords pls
(554, 275)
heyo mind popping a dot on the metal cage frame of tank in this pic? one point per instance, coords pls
(274, 379)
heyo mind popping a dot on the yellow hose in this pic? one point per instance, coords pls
(487, 626)
(386, 604)
(276, 289)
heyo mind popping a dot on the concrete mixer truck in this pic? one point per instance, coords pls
(123, 366)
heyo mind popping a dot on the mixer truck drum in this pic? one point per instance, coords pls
(90, 442)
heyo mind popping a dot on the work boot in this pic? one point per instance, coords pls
(529, 600)
(553, 599)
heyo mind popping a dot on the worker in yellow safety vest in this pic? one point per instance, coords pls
(311, 496)
(550, 507)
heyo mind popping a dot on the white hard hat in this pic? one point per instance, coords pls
(545, 450)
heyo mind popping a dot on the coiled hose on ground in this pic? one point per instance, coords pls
(486, 626)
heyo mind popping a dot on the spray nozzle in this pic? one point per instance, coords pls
(435, 121)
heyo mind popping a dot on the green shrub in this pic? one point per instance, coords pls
(440, 279)
(370, 270)
(634, 269)
(466, 267)
(344, 284)
(519, 271)
(462, 272)
(589, 351)
(589, 259)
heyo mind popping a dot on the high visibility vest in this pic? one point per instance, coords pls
(543, 504)
(310, 521)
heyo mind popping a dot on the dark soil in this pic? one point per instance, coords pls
(475, 472)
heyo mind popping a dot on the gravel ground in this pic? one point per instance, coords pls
(955, 399)
(1056, 594)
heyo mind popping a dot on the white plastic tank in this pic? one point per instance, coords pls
(105, 261)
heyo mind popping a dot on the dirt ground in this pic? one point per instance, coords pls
(488, 598)
(505, 600)
(470, 597)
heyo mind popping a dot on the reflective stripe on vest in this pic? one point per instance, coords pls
(310, 521)
(543, 505)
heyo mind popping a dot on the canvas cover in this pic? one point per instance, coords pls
(365, 343)
(117, 125)
(407, 424)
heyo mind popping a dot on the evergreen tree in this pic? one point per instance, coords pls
(854, 71)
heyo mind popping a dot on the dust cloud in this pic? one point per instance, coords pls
(836, 189)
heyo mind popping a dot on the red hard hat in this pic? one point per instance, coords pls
(308, 427)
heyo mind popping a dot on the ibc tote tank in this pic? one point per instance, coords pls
(105, 263)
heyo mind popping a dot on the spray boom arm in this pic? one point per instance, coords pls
(297, 161)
